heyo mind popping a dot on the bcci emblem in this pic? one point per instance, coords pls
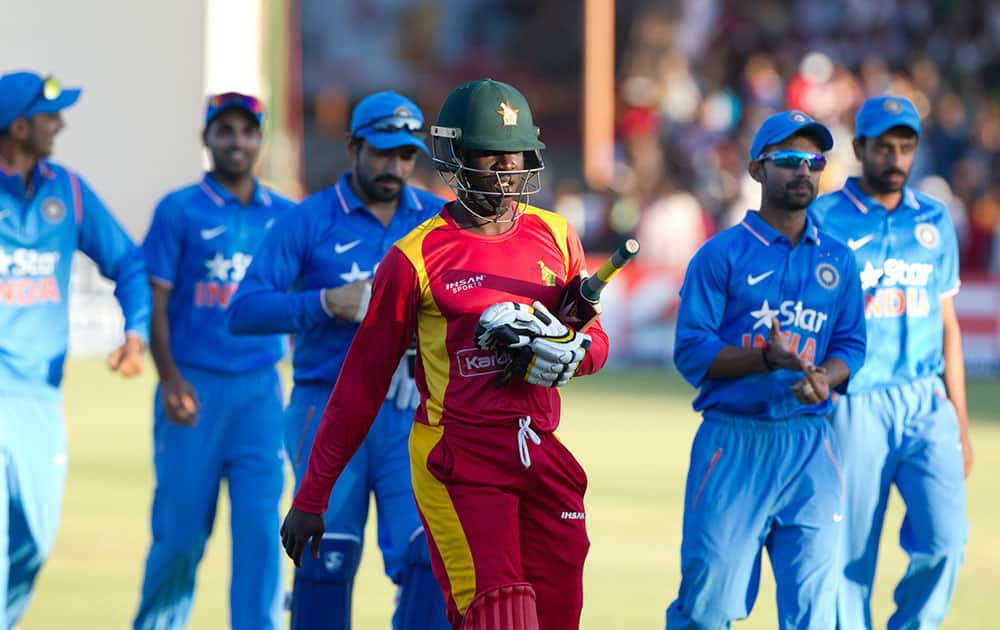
(827, 276)
(53, 210)
(798, 117)
(892, 106)
(403, 112)
(927, 235)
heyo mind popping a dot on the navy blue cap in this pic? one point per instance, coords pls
(24, 94)
(880, 114)
(387, 120)
(218, 103)
(783, 125)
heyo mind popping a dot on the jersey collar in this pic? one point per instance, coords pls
(349, 202)
(220, 196)
(759, 229)
(864, 204)
(12, 181)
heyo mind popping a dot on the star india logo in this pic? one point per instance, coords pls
(827, 276)
(508, 113)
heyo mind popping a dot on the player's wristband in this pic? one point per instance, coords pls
(366, 298)
(767, 362)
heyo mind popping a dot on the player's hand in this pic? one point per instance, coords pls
(967, 456)
(180, 401)
(403, 388)
(349, 301)
(778, 354)
(127, 358)
(296, 531)
(513, 325)
(813, 388)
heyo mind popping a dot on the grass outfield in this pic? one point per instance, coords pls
(631, 431)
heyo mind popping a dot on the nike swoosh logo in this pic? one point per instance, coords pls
(340, 248)
(212, 233)
(861, 242)
(752, 280)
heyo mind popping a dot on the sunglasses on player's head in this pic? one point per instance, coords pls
(394, 124)
(793, 159)
(51, 90)
(236, 99)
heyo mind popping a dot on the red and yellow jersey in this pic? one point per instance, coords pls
(435, 283)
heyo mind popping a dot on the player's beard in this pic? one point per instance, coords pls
(374, 192)
(882, 182)
(792, 198)
(493, 205)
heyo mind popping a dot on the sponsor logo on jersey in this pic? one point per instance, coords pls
(27, 276)
(476, 362)
(464, 284)
(790, 314)
(573, 516)
(53, 210)
(222, 278)
(549, 277)
(753, 280)
(900, 288)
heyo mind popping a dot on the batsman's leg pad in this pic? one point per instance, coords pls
(421, 605)
(321, 598)
(510, 607)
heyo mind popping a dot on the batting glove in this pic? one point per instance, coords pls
(514, 325)
(403, 388)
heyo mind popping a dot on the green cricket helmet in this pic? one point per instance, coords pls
(486, 115)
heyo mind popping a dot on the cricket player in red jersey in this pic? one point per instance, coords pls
(500, 496)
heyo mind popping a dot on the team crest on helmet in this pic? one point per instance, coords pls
(548, 276)
(508, 113)
(827, 276)
(53, 210)
(927, 235)
(892, 106)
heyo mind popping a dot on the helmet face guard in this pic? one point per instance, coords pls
(485, 204)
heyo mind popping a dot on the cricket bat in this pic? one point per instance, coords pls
(580, 303)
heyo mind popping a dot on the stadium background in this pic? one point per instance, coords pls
(691, 81)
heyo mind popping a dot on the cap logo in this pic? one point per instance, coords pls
(402, 111)
(892, 106)
(508, 113)
(798, 117)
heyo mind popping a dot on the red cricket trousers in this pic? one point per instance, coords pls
(492, 520)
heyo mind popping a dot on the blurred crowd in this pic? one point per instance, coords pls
(696, 79)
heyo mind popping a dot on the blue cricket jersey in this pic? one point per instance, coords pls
(908, 261)
(329, 240)
(200, 244)
(740, 280)
(40, 229)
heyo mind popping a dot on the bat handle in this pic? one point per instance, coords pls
(590, 289)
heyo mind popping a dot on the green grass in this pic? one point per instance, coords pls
(631, 431)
